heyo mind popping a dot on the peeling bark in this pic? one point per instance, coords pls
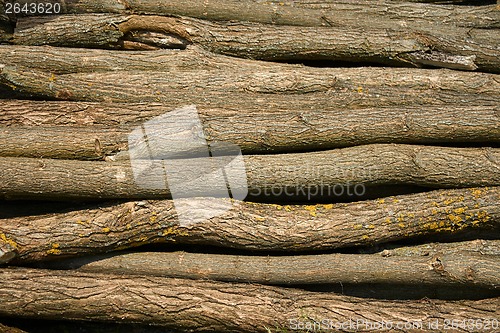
(210, 306)
(253, 226)
(395, 47)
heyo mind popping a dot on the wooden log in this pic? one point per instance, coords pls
(477, 247)
(9, 329)
(462, 269)
(383, 14)
(97, 130)
(301, 175)
(320, 87)
(451, 47)
(252, 226)
(62, 60)
(217, 306)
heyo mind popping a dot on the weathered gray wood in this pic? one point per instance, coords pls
(467, 48)
(252, 226)
(76, 130)
(205, 305)
(461, 269)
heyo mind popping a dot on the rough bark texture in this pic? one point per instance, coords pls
(302, 175)
(451, 47)
(461, 269)
(210, 306)
(75, 130)
(383, 14)
(252, 226)
(311, 87)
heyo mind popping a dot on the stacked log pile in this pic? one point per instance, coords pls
(370, 136)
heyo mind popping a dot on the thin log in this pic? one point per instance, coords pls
(463, 269)
(9, 329)
(253, 226)
(321, 87)
(325, 173)
(216, 306)
(456, 47)
(477, 247)
(97, 130)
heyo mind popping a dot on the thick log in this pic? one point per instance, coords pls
(383, 14)
(301, 175)
(252, 226)
(462, 269)
(450, 47)
(97, 130)
(215, 306)
(321, 87)
(61, 60)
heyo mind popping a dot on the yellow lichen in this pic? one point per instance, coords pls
(311, 209)
(364, 237)
(459, 210)
(371, 226)
(401, 225)
(357, 226)
(8, 240)
(395, 200)
(106, 229)
(55, 249)
(448, 201)
(476, 193)
(287, 208)
(328, 206)
(381, 201)
(152, 218)
(387, 220)
(174, 231)
(454, 218)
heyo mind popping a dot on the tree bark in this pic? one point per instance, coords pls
(449, 47)
(383, 14)
(252, 226)
(8, 329)
(301, 175)
(310, 87)
(47, 129)
(462, 269)
(210, 306)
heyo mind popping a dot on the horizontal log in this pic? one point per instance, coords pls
(325, 173)
(450, 47)
(476, 246)
(97, 130)
(383, 14)
(462, 269)
(62, 60)
(251, 226)
(284, 86)
(204, 305)
(9, 329)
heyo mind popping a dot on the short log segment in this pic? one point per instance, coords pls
(458, 48)
(253, 226)
(459, 269)
(215, 306)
